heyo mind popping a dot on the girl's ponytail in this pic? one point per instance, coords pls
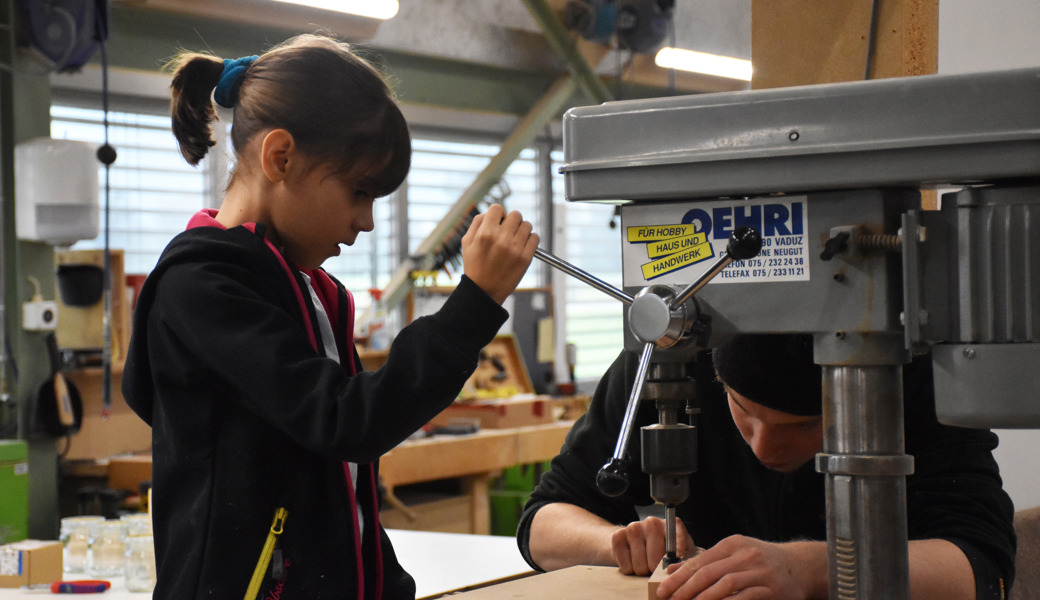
(337, 106)
(191, 105)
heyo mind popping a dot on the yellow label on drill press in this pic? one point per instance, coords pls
(673, 262)
(674, 245)
(651, 233)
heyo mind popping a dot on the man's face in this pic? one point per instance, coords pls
(781, 441)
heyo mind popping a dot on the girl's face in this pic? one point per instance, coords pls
(326, 208)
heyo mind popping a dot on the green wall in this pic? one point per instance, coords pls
(24, 114)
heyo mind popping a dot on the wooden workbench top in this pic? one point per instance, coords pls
(574, 583)
(447, 456)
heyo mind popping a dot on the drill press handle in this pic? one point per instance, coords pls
(658, 319)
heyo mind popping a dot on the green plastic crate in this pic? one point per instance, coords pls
(509, 493)
(14, 491)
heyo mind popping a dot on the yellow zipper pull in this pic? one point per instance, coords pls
(277, 526)
(277, 566)
(279, 521)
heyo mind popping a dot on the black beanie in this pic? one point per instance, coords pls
(776, 371)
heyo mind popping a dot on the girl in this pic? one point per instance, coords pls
(242, 359)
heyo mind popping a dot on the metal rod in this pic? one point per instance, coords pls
(633, 402)
(583, 276)
(720, 264)
(671, 544)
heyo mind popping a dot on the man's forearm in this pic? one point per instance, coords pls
(564, 535)
(940, 571)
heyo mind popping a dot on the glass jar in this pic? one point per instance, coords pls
(75, 541)
(140, 563)
(137, 524)
(107, 549)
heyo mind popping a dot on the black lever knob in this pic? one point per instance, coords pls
(835, 245)
(744, 243)
(612, 479)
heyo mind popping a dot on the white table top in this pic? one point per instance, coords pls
(447, 562)
(439, 562)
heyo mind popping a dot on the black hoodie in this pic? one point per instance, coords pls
(248, 415)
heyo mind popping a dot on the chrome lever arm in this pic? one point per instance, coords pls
(612, 478)
(660, 317)
(744, 243)
(583, 276)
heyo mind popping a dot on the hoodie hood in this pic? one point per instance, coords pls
(206, 241)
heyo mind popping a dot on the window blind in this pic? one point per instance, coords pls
(153, 190)
(593, 319)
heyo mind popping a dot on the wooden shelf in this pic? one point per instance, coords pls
(475, 459)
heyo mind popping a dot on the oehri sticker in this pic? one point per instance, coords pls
(676, 243)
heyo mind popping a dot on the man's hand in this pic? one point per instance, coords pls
(743, 568)
(639, 547)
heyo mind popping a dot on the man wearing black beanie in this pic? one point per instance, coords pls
(754, 524)
(776, 370)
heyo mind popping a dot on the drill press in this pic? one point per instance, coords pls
(830, 177)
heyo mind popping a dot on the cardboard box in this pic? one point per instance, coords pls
(127, 472)
(30, 562)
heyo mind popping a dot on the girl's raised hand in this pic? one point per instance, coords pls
(497, 250)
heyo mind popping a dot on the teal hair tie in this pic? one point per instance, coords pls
(226, 93)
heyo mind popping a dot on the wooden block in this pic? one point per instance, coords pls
(573, 583)
(659, 575)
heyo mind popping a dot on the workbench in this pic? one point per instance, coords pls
(474, 459)
(440, 563)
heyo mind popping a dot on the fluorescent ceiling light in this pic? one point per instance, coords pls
(702, 62)
(375, 9)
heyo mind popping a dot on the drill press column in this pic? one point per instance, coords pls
(865, 466)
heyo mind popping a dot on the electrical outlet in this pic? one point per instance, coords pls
(40, 315)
